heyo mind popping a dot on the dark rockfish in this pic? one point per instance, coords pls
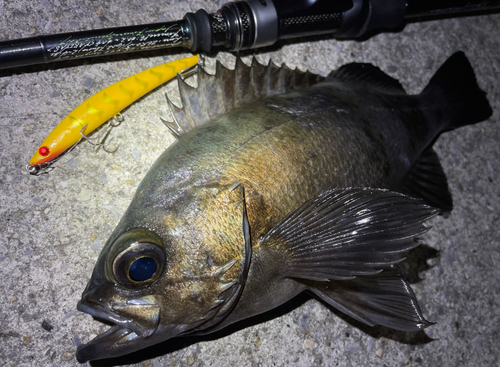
(280, 182)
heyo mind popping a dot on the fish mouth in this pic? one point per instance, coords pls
(125, 336)
(103, 345)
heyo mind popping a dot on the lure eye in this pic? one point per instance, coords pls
(139, 265)
(44, 151)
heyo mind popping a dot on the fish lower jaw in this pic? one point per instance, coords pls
(106, 345)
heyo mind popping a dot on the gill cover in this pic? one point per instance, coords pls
(227, 243)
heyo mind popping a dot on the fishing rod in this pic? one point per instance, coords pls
(241, 25)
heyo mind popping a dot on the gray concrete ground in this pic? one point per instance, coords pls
(53, 226)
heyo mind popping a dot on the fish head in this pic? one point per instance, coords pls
(181, 274)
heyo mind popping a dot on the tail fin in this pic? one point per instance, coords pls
(464, 102)
(461, 102)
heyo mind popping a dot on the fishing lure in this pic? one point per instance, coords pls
(101, 107)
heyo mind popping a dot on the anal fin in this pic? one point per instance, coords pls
(426, 180)
(383, 299)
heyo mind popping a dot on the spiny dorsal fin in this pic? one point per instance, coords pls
(243, 88)
(272, 75)
(173, 127)
(219, 93)
(191, 103)
(179, 123)
(258, 78)
(225, 86)
(208, 89)
(368, 74)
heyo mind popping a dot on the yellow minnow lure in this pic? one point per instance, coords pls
(102, 106)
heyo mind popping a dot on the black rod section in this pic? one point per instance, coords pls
(241, 25)
(69, 46)
(421, 10)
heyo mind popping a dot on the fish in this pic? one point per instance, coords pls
(280, 182)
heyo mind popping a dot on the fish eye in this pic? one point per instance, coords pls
(139, 265)
(142, 269)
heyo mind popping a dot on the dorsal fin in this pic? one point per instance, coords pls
(209, 89)
(180, 123)
(190, 102)
(219, 93)
(368, 74)
(243, 87)
(258, 78)
(225, 86)
(272, 76)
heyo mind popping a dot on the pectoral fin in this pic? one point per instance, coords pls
(345, 233)
(345, 244)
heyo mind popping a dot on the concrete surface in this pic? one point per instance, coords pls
(52, 226)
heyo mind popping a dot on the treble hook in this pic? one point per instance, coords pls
(99, 141)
